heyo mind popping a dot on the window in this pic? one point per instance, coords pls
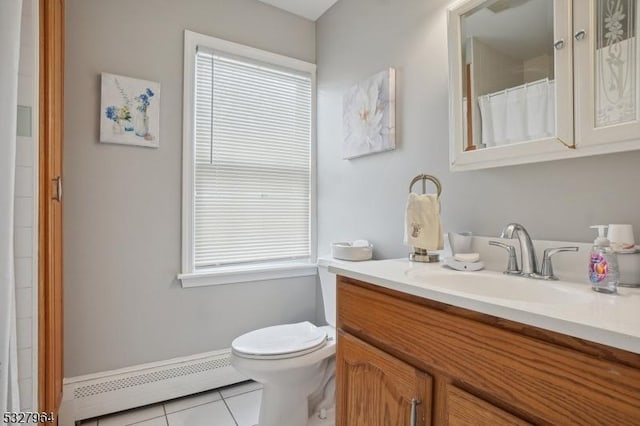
(247, 172)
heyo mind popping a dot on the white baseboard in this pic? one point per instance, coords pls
(98, 394)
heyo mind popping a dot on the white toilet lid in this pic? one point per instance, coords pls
(280, 339)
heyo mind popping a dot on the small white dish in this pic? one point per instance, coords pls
(450, 262)
(348, 251)
(625, 249)
(467, 257)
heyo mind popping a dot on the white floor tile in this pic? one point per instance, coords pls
(24, 151)
(24, 272)
(24, 181)
(27, 8)
(25, 333)
(158, 421)
(26, 64)
(191, 401)
(23, 211)
(25, 90)
(26, 394)
(25, 364)
(24, 302)
(245, 408)
(212, 414)
(23, 242)
(244, 387)
(26, 32)
(132, 416)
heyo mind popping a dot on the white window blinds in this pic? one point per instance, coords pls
(252, 200)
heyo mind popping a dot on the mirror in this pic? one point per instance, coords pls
(508, 73)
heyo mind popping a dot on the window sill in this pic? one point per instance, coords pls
(242, 274)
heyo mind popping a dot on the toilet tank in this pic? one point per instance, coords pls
(328, 286)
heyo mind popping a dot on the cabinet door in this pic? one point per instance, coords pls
(376, 389)
(511, 82)
(466, 409)
(607, 70)
(50, 303)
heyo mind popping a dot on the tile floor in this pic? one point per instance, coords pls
(236, 405)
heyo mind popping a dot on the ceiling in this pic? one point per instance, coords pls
(310, 9)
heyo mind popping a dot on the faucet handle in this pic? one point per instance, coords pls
(546, 271)
(512, 266)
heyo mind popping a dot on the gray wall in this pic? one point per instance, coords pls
(365, 197)
(123, 304)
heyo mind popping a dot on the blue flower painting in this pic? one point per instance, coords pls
(112, 113)
(130, 111)
(144, 100)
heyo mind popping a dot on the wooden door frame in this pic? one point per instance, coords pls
(51, 91)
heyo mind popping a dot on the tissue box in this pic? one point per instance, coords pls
(629, 266)
(346, 251)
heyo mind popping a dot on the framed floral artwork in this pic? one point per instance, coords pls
(129, 111)
(369, 116)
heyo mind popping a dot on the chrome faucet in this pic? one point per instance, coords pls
(527, 254)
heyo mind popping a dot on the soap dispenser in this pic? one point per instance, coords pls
(603, 264)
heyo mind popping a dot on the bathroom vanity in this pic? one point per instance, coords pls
(416, 348)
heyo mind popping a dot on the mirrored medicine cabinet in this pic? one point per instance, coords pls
(538, 80)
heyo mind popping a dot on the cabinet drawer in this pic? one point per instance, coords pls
(539, 381)
(465, 409)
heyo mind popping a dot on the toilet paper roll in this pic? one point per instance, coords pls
(621, 234)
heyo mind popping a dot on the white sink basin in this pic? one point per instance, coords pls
(499, 286)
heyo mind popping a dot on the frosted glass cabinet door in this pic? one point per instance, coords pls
(607, 73)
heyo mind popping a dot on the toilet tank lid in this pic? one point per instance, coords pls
(326, 260)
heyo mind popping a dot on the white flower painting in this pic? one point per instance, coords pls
(369, 116)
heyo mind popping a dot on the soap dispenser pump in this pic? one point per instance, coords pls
(603, 264)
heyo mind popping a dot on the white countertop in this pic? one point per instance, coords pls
(575, 310)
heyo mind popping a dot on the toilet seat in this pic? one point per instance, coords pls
(280, 341)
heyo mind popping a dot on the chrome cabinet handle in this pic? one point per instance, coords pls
(58, 196)
(512, 265)
(580, 35)
(546, 271)
(414, 412)
(559, 44)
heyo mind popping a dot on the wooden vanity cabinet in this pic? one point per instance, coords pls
(468, 368)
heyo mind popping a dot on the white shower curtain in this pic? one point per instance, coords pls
(10, 17)
(518, 114)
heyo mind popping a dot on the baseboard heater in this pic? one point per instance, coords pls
(98, 394)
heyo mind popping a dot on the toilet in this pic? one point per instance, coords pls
(295, 363)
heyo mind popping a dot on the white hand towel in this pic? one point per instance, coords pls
(422, 222)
